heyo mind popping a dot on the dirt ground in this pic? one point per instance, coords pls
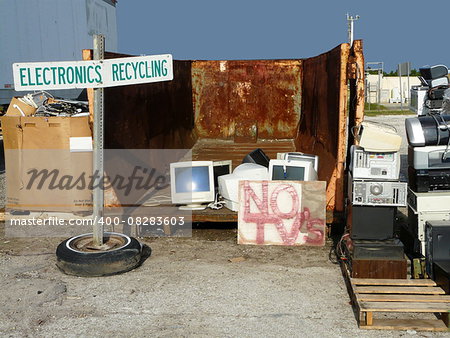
(188, 287)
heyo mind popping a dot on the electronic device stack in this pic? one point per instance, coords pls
(374, 193)
(428, 98)
(429, 189)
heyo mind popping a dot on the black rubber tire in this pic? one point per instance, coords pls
(99, 263)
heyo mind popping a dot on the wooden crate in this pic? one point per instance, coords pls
(403, 296)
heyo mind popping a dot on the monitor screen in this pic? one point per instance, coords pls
(192, 183)
(292, 170)
(192, 179)
(291, 173)
(297, 156)
(220, 168)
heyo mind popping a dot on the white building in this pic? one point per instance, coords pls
(386, 89)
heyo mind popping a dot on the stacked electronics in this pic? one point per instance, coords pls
(291, 166)
(375, 192)
(429, 96)
(429, 185)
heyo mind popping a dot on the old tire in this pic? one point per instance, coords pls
(75, 255)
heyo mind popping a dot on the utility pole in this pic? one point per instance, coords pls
(350, 20)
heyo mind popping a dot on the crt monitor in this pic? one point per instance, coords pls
(192, 184)
(298, 170)
(221, 168)
(229, 184)
(296, 156)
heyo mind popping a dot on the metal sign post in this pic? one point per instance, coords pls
(99, 253)
(400, 68)
(97, 194)
(403, 69)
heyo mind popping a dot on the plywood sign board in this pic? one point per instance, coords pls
(282, 213)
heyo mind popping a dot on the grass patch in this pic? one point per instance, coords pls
(387, 112)
(375, 109)
(374, 106)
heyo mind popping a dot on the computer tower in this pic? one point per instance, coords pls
(372, 222)
(437, 245)
(409, 239)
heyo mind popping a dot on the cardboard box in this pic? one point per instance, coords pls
(48, 163)
(18, 108)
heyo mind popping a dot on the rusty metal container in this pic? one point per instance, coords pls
(225, 109)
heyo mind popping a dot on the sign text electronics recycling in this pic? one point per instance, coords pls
(92, 74)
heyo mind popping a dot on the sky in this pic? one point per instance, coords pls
(393, 31)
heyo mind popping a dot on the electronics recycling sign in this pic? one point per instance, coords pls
(92, 74)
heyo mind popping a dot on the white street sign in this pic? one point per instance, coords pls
(92, 74)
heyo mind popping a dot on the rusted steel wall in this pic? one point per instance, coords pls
(323, 128)
(150, 116)
(356, 84)
(154, 115)
(247, 100)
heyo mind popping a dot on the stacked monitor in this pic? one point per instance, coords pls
(196, 184)
(294, 167)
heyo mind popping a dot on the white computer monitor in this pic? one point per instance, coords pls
(221, 168)
(292, 170)
(229, 184)
(293, 156)
(192, 184)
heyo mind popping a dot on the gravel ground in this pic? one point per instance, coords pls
(187, 288)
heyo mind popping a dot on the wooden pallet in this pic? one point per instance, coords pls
(399, 296)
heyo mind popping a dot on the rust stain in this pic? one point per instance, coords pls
(265, 94)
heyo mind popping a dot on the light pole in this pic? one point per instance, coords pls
(350, 20)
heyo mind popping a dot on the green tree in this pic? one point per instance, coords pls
(391, 73)
(414, 72)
